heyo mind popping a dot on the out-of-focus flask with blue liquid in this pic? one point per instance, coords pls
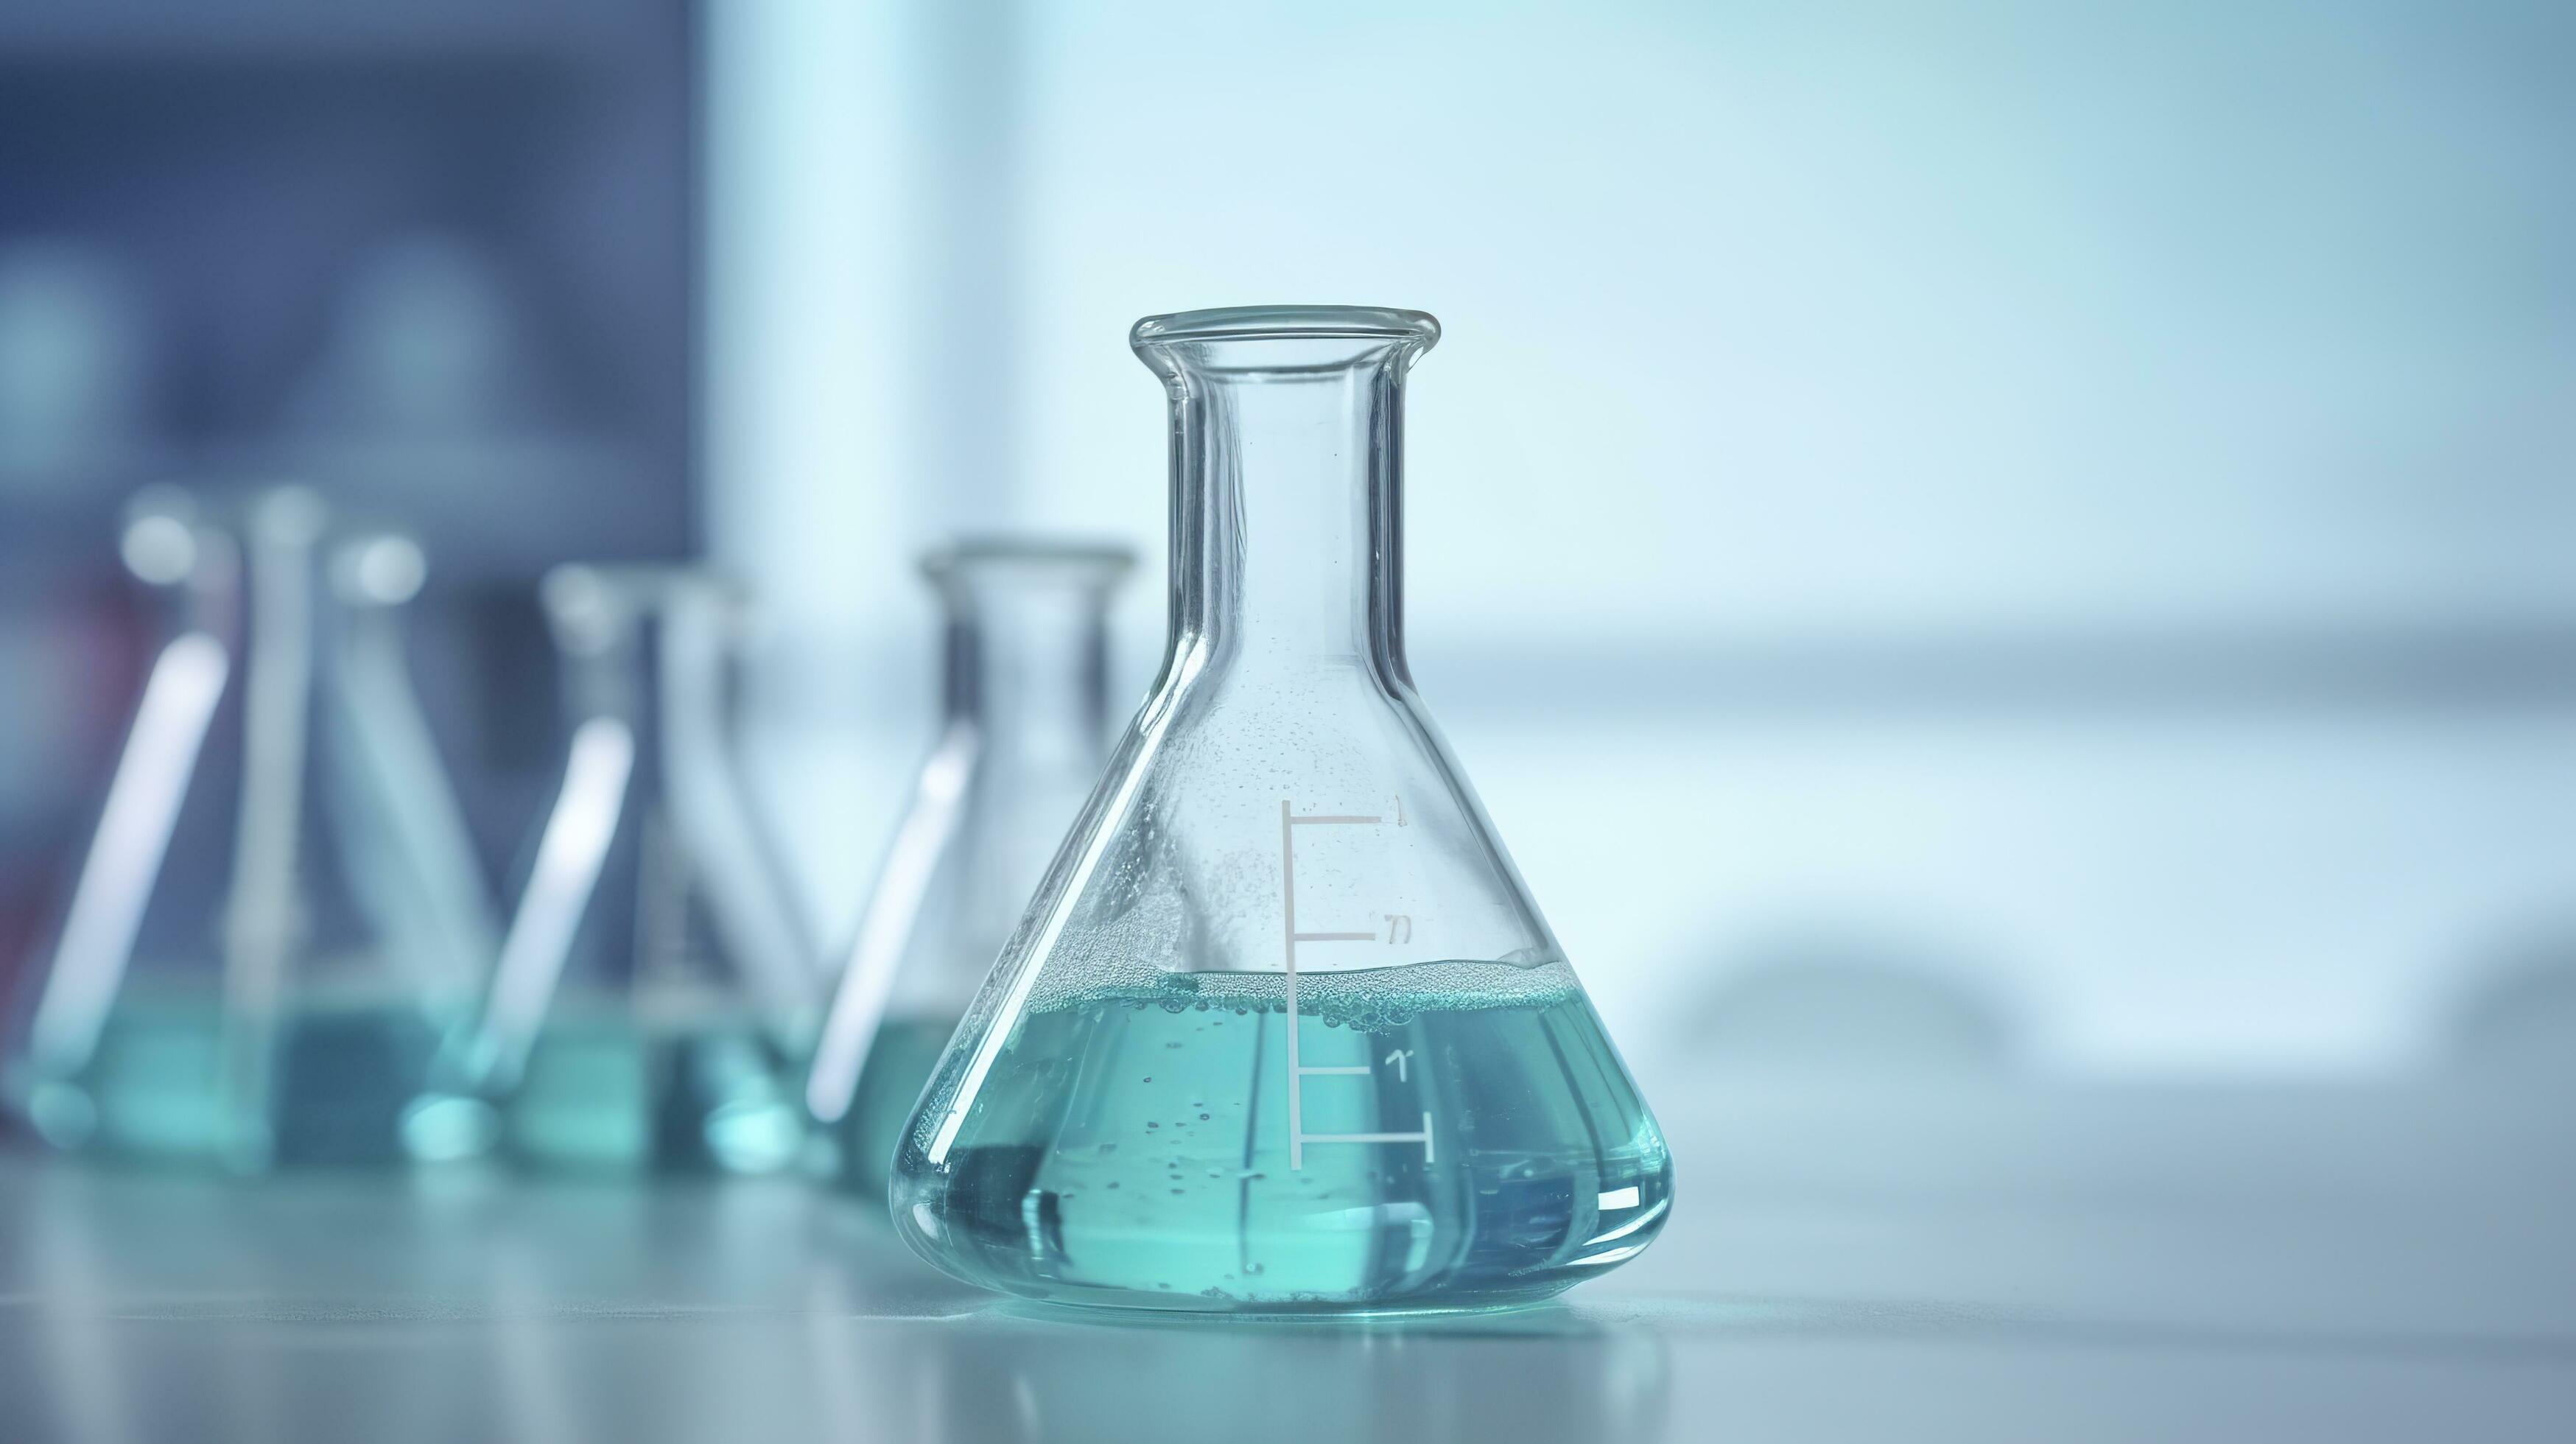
(655, 992)
(1021, 744)
(280, 911)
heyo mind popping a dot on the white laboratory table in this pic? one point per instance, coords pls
(1892, 1260)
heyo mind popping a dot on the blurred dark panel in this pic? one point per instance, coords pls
(434, 260)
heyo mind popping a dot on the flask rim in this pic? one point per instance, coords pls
(590, 604)
(644, 585)
(1044, 553)
(1245, 323)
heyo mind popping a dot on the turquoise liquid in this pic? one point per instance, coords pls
(1130, 1146)
(900, 1060)
(617, 1094)
(163, 1083)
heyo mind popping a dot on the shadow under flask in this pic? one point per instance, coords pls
(1282, 1030)
(1021, 741)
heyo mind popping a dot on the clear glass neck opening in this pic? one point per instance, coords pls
(1287, 459)
(1026, 634)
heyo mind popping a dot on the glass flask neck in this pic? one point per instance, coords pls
(651, 659)
(1287, 478)
(1025, 650)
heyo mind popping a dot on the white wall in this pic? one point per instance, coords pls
(1769, 328)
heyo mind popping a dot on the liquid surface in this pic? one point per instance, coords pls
(1134, 1146)
(160, 1086)
(615, 1093)
(900, 1061)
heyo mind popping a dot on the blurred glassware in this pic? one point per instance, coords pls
(655, 987)
(76, 356)
(1836, 1000)
(2514, 1022)
(426, 345)
(1022, 742)
(292, 1019)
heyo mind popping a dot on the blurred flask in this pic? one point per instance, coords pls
(425, 346)
(1021, 744)
(2514, 1025)
(1834, 1001)
(76, 353)
(655, 983)
(290, 1015)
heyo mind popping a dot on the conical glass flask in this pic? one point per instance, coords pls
(1281, 1029)
(655, 983)
(277, 993)
(1021, 743)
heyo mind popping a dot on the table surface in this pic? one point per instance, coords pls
(1892, 1259)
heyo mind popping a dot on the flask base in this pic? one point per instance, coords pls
(609, 1093)
(1462, 1137)
(1176, 1307)
(162, 1085)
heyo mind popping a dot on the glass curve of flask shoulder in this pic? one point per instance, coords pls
(1282, 1030)
(1020, 746)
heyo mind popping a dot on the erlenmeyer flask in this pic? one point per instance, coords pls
(1281, 1029)
(655, 982)
(1024, 678)
(284, 1004)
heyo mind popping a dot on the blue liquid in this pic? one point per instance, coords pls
(611, 1093)
(165, 1082)
(1132, 1147)
(900, 1061)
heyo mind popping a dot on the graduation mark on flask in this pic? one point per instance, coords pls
(1298, 1073)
